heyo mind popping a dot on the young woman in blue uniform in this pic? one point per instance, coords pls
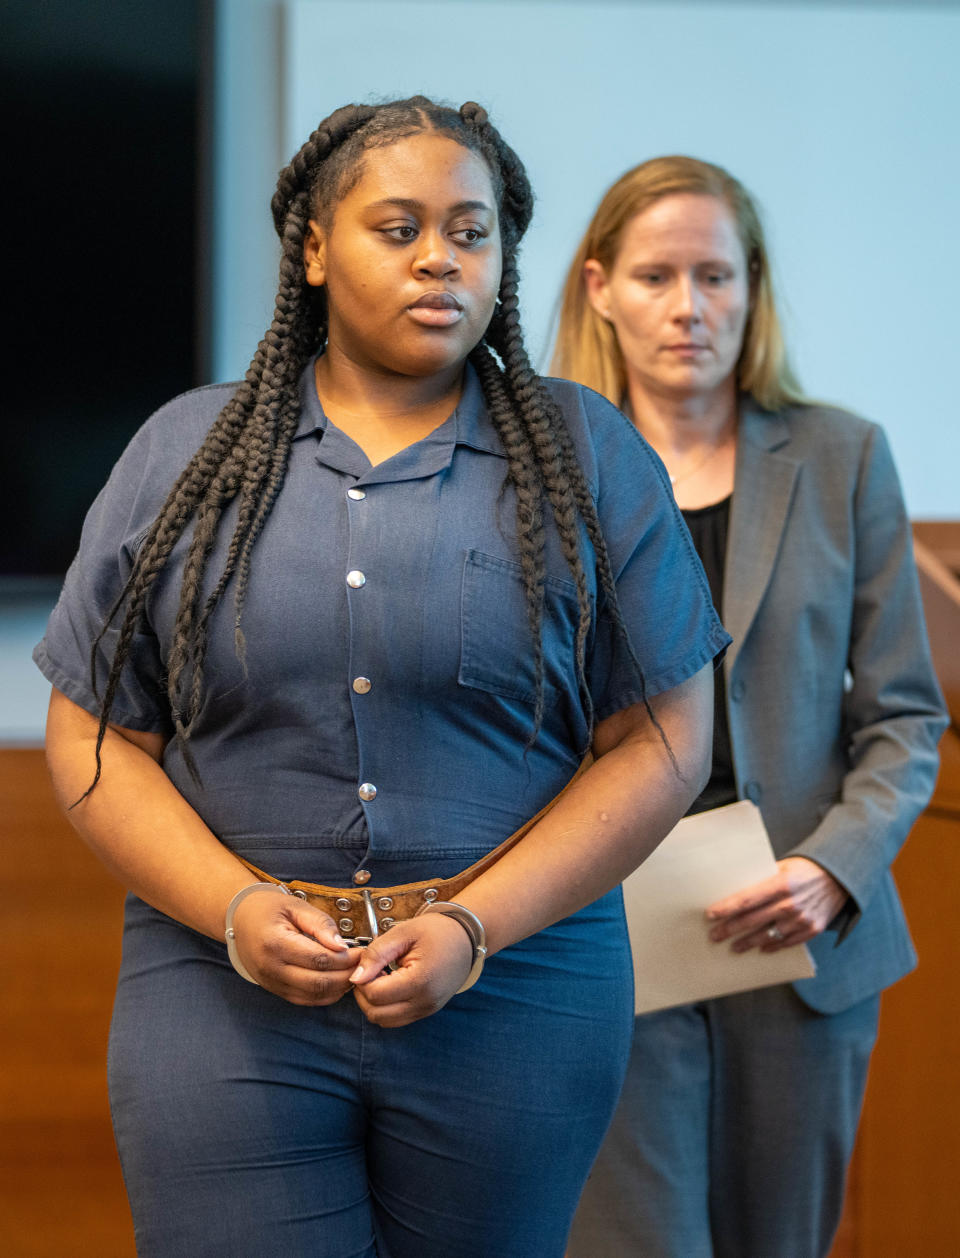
(354, 621)
(738, 1114)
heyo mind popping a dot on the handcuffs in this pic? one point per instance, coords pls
(468, 920)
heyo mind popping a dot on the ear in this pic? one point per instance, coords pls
(314, 254)
(595, 282)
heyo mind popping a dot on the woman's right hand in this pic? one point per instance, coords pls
(293, 949)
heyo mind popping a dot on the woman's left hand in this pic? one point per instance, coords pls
(797, 903)
(433, 956)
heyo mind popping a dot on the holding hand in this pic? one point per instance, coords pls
(292, 948)
(794, 905)
(433, 955)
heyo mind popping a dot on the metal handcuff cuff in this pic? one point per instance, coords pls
(469, 921)
(436, 895)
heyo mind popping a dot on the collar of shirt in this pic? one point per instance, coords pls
(469, 425)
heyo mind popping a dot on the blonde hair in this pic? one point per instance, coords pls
(587, 349)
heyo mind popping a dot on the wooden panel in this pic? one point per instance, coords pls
(942, 537)
(903, 1199)
(908, 1198)
(941, 602)
(61, 1191)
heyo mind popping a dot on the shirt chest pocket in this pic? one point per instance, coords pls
(496, 640)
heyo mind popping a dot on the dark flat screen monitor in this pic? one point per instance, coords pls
(104, 288)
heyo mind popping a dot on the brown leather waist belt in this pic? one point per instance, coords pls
(361, 913)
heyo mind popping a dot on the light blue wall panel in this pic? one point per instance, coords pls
(840, 118)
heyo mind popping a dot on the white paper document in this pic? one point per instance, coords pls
(702, 859)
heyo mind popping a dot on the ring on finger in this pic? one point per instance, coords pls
(774, 933)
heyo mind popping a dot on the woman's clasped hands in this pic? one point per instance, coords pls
(295, 951)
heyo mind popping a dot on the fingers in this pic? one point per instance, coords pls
(293, 950)
(769, 925)
(433, 955)
(288, 946)
(780, 923)
(258, 916)
(774, 936)
(307, 987)
(390, 1016)
(315, 924)
(751, 915)
(794, 906)
(323, 980)
(749, 900)
(405, 996)
(766, 916)
(396, 999)
(385, 950)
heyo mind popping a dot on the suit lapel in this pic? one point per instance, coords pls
(763, 487)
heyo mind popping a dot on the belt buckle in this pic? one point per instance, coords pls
(361, 941)
(371, 914)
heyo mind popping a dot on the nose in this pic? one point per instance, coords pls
(435, 256)
(686, 304)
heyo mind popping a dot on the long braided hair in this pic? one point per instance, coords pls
(244, 455)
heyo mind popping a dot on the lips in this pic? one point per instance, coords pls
(436, 310)
(436, 301)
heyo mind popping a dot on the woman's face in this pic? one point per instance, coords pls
(678, 296)
(412, 259)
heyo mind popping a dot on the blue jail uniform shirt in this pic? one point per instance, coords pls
(379, 725)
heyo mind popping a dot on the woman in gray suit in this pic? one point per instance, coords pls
(738, 1116)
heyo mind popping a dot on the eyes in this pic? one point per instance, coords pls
(707, 276)
(466, 236)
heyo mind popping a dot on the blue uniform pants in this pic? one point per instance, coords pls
(248, 1126)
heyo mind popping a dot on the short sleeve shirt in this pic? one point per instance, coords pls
(382, 716)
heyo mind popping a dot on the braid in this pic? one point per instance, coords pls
(545, 455)
(566, 487)
(531, 534)
(544, 464)
(246, 452)
(244, 455)
(568, 492)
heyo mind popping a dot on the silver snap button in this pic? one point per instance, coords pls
(362, 685)
(387, 922)
(430, 895)
(367, 791)
(355, 579)
(385, 903)
(343, 905)
(361, 876)
(357, 495)
(345, 925)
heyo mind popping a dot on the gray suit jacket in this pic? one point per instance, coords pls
(834, 709)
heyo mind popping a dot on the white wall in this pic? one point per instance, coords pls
(841, 118)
